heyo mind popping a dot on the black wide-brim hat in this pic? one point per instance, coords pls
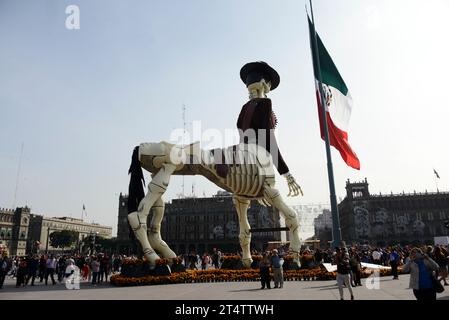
(255, 71)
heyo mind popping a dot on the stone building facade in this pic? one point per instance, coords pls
(201, 224)
(393, 218)
(41, 227)
(20, 230)
(14, 226)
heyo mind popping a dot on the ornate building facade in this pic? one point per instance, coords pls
(201, 224)
(42, 227)
(394, 218)
(14, 226)
(20, 230)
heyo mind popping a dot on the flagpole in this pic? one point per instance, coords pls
(436, 182)
(336, 230)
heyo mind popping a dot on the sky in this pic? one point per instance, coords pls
(79, 101)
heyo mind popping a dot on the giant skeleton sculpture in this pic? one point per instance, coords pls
(245, 170)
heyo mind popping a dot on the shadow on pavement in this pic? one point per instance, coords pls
(59, 286)
(254, 289)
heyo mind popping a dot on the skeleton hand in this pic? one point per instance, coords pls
(293, 186)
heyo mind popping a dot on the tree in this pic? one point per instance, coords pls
(101, 243)
(63, 239)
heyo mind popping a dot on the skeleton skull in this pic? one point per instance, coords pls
(259, 89)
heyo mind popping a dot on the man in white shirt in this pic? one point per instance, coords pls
(376, 256)
(51, 265)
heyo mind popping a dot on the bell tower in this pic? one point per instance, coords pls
(20, 231)
(357, 190)
(122, 227)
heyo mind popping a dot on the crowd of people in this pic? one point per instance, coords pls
(426, 265)
(56, 268)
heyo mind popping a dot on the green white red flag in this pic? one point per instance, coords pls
(338, 101)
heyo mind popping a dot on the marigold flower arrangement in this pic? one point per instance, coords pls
(177, 260)
(256, 258)
(221, 275)
(162, 262)
(234, 258)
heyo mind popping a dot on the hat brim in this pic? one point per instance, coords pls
(262, 68)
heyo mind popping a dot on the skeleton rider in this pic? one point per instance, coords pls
(257, 114)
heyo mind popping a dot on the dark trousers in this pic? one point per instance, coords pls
(2, 278)
(20, 278)
(103, 273)
(94, 277)
(50, 272)
(42, 271)
(394, 268)
(356, 277)
(265, 278)
(425, 294)
(32, 276)
(60, 274)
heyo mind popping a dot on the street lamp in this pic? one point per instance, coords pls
(93, 242)
(48, 237)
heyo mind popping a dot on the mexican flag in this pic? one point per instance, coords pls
(338, 102)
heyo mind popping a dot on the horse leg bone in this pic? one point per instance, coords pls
(138, 219)
(291, 219)
(241, 205)
(154, 231)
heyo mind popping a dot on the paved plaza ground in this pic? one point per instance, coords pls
(293, 290)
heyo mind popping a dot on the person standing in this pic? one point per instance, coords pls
(318, 257)
(277, 269)
(343, 269)
(421, 267)
(85, 271)
(376, 256)
(42, 268)
(33, 263)
(394, 262)
(116, 263)
(95, 270)
(22, 271)
(61, 265)
(442, 260)
(355, 268)
(216, 258)
(204, 261)
(50, 269)
(104, 268)
(3, 270)
(265, 272)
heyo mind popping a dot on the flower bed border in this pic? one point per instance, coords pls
(220, 275)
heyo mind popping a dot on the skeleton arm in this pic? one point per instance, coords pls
(293, 186)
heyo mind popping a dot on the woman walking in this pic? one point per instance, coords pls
(421, 267)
